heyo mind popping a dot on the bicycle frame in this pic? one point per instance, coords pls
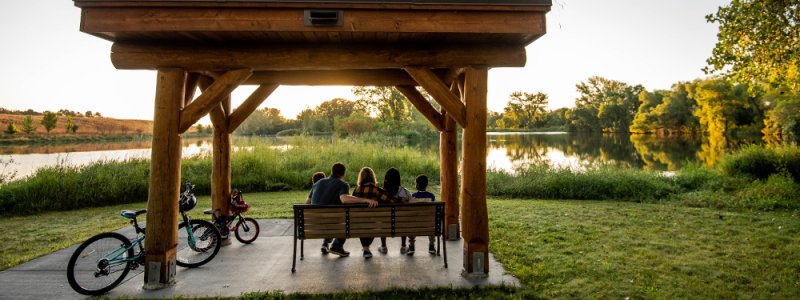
(113, 258)
(226, 221)
(189, 231)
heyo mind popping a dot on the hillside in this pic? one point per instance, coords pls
(86, 126)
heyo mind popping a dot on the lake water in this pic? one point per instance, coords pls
(507, 151)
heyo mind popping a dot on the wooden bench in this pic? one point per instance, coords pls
(358, 220)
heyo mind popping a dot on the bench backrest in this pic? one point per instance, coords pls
(385, 220)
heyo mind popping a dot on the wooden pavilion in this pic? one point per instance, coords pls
(444, 46)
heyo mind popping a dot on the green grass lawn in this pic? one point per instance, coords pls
(557, 248)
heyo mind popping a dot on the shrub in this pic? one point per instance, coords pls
(694, 176)
(751, 161)
(790, 160)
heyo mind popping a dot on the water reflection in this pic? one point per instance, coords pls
(506, 151)
(579, 151)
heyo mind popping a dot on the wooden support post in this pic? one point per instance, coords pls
(165, 177)
(221, 163)
(473, 174)
(448, 175)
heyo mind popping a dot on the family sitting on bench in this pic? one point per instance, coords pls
(333, 190)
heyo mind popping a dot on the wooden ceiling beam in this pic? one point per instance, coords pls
(378, 77)
(249, 105)
(135, 56)
(222, 19)
(441, 93)
(422, 104)
(212, 97)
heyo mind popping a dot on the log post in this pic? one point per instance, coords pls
(221, 164)
(165, 177)
(448, 178)
(473, 175)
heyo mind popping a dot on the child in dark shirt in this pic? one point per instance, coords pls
(314, 178)
(421, 195)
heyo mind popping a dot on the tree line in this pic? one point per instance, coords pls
(49, 120)
(378, 111)
(754, 86)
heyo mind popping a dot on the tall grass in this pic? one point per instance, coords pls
(262, 166)
(603, 183)
(256, 166)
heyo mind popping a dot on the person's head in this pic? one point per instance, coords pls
(422, 182)
(316, 177)
(366, 175)
(338, 170)
(391, 181)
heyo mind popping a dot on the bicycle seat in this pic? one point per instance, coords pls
(130, 214)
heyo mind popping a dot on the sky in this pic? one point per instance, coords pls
(46, 63)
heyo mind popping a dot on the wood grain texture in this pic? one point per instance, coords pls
(318, 57)
(221, 170)
(423, 106)
(212, 96)
(440, 92)
(220, 20)
(474, 212)
(165, 174)
(249, 105)
(377, 77)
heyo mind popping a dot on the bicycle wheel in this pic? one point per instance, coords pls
(99, 264)
(247, 230)
(207, 241)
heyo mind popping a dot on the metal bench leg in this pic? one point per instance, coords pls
(294, 254)
(444, 249)
(438, 243)
(301, 249)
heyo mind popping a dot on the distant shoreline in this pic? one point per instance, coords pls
(55, 139)
(39, 139)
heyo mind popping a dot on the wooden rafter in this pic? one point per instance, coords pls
(424, 107)
(137, 56)
(441, 93)
(452, 75)
(191, 86)
(212, 97)
(249, 105)
(218, 118)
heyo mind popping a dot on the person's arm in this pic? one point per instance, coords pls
(347, 199)
(308, 201)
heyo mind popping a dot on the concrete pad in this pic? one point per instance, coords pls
(265, 265)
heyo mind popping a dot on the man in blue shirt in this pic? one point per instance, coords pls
(333, 190)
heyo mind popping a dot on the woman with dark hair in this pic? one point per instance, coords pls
(391, 183)
(368, 189)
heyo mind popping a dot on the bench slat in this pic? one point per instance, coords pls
(317, 227)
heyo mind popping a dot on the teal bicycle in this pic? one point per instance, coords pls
(102, 262)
